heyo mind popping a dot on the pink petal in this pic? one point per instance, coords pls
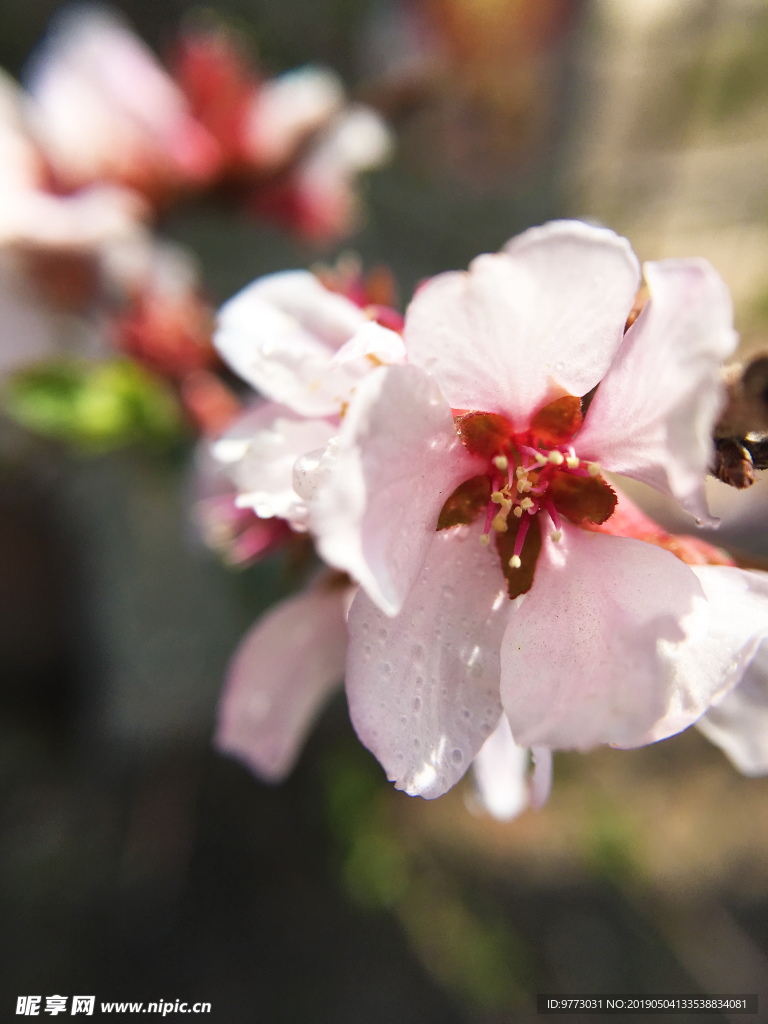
(501, 774)
(280, 334)
(739, 724)
(527, 325)
(720, 645)
(589, 653)
(106, 109)
(281, 675)
(423, 688)
(398, 459)
(653, 414)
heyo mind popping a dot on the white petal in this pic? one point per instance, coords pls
(526, 325)
(280, 334)
(282, 673)
(653, 414)
(541, 783)
(501, 774)
(374, 342)
(260, 462)
(288, 108)
(739, 724)
(423, 688)
(82, 221)
(398, 460)
(357, 140)
(233, 443)
(589, 655)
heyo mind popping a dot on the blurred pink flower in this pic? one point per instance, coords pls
(53, 248)
(292, 142)
(577, 636)
(105, 110)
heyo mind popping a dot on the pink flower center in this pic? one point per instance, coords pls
(533, 477)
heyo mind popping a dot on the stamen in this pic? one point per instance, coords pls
(526, 503)
(485, 540)
(556, 458)
(501, 462)
(489, 514)
(521, 471)
(594, 468)
(521, 485)
(515, 562)
(522, 532)
(572, 462)
(518, 511)
(554, 515)
(500, 523)
(497, 497)
(541, 459)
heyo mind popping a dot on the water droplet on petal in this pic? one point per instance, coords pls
(457, 756)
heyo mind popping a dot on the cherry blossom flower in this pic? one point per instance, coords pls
(291, 339)
(105, 110)
(259, 124)
(291, 335)
(293, 143)
(53, 247)
(580, 637)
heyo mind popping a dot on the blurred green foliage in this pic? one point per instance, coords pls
(611, 845)
(96, 406)
(474, 955)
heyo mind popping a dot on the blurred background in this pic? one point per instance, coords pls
(135, 862)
